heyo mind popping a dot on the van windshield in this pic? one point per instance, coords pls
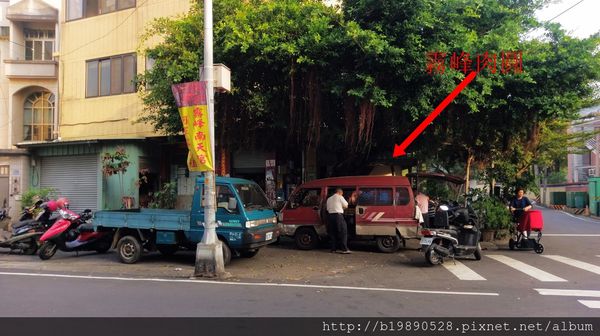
(252, 197)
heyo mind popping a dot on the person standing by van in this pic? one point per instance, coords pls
(423, 204)
(336, 224)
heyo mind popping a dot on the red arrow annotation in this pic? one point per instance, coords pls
(399, 150)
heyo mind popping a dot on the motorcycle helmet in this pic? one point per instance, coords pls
(51, 206)
(62, 203)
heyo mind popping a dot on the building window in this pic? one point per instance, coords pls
(4, 32)
(78, 9)
(39, 45)
(110, 76)
(38, 116)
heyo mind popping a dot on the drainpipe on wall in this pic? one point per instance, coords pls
(56, 54)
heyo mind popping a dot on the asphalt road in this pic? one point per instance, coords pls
(282, 281)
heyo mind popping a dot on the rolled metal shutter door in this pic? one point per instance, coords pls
(74, 177)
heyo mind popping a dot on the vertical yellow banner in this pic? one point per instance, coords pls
(191, 100)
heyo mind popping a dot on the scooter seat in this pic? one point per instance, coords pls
(87, 227)
(23, 223)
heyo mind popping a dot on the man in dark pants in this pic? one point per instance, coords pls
(336, 225)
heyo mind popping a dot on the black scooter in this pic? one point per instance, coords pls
(25, 235)
(455, 232)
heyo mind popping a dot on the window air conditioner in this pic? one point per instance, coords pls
(591, 171)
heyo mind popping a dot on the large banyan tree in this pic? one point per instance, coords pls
(352, 81)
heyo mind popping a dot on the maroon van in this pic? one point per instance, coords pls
(384, 210)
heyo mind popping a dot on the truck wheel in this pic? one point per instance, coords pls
(306, 238)
(47, 250)
(129, 249)
(388, 244)
(167, 250)
(226, 253)
(248, 253)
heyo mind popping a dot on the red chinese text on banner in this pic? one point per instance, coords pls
(191, 100)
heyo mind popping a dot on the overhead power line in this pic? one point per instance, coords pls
(566, 10)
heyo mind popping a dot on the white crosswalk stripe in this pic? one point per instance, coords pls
(461, 271)
(575, 263)
(568, 292)
(533, 272)
(594, 304)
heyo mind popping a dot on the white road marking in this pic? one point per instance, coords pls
(533, 272)
(583, 219)
(461, 271)
(575, 263)
(568, 292)
(256, 284)
(594, 304)
(570, 234)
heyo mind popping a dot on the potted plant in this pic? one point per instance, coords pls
(493, 215)
(116, 164)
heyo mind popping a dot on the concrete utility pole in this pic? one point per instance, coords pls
(209, 253)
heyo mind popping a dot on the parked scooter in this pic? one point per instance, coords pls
(26, 234)
(73, 232)
(455, 232)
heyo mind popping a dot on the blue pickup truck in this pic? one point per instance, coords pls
(247, 223)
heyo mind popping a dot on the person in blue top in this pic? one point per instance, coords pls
(520, 204)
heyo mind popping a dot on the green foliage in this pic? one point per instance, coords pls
(33, 195)
(165, 198)
(492, 212)
(557, 177)
(116, 164)
(353, 81)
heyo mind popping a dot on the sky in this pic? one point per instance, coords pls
(580, 21)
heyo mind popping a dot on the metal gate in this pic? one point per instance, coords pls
(74, 177)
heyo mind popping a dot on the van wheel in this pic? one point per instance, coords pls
(306, 238)
(129, 249)
(388, 244)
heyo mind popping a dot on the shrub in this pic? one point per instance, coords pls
(34, 194)
(166, 197)
(492, 213)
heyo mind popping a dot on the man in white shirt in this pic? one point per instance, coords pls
(337, 228)
(423, 204)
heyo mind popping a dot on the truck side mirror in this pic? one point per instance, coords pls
(232, 204)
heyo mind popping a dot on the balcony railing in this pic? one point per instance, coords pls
(30, 69)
